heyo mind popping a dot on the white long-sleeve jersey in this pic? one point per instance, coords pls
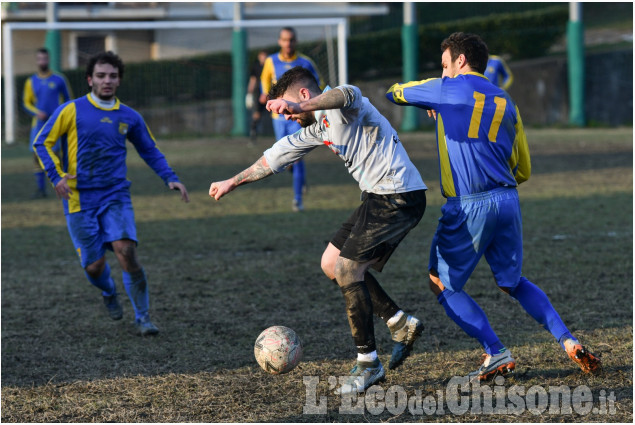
(362, 137)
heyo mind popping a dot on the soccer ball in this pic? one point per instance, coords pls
(278, 350)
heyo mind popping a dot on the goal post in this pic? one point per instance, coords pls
(9, 29)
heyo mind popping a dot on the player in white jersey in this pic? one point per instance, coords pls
(393, 202)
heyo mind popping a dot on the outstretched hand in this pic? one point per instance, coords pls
(219, 189)
(181, 188)
(62, 189)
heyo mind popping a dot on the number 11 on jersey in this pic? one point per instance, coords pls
(477, 114)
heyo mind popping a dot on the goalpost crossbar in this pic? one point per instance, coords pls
(10, 27)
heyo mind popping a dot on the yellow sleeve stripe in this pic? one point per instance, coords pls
(67, 120)
(510, 78)
(447, 181)
(65, 124)
(520, 158)
(28, 97)
(267, 76)
(397, 90)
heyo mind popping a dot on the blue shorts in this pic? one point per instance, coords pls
(93, 231)
(486, 223)
(283, 127)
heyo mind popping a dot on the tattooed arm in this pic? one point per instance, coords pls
(340, 97)
(259, 170)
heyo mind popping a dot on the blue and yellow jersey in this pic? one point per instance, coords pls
(95, 151)
(44, 93)
(275, 66)
(498, 72)
(480, 136)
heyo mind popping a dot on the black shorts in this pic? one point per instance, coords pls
(378, 225)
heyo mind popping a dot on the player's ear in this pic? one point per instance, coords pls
(461, 60)
(304, 94)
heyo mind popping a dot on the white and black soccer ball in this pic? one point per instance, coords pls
(278, 349)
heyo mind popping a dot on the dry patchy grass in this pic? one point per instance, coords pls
(220, 272)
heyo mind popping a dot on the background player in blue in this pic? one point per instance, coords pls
(43, 92)
(276, 65)
(483, 156)
(90, 177)
(498, 72)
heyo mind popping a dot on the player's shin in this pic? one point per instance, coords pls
(383, 305)
(103, 282)
(466, 313)
(537, 305)
(359, 309)
(137, 288)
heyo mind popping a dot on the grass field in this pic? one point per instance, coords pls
(221, 272)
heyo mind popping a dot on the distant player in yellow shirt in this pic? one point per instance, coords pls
(276, 65)
(43, 92)
(498, 72)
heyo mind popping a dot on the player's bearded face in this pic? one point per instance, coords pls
(104, 81)
(305, 119)
(287, 42)
(42, 60)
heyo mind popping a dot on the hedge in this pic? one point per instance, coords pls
(374, 55)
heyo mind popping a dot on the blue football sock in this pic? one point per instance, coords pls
(137, 289)
(537, 304)
(103, 282)
(298, 180)
(40, 180)
(466, 313)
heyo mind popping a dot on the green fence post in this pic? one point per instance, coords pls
(53, 41)
(239, 74)
(239, 81)
(575, 56)
(410, 49)
(410, 53)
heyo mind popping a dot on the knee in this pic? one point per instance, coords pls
(97, 268)
(349, 271)
(126, 252)
(328, 265)
(511, 290)
(435, 283)
(505, 290)
(341, 271)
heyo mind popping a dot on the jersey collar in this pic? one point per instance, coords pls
(478, 74)
(98, 106)
(291, 59)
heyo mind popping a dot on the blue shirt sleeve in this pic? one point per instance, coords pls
(140, 136)
(425, 94)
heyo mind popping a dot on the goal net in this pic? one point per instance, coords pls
(187, 78)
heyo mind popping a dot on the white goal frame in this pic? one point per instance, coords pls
(7, 36)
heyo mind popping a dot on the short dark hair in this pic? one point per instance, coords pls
(292, 78)
(43, 50)
(470, 45)
(290, 29)
(104, 57)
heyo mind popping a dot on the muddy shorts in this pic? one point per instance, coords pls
(378, 225)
